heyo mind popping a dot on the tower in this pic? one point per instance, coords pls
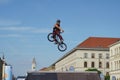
(34, 64)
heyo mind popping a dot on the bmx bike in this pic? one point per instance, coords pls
(61, 45)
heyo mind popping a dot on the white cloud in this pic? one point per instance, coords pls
(41, 31)
(22, 30)
(10, 35)
(12, 25)
(28, 29)
(16, 28)
(9, 22)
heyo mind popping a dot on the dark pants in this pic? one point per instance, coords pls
(57, 33)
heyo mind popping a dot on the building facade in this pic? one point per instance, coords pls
(115, 60)
(83, 59)
(91, 53)
(1, 65)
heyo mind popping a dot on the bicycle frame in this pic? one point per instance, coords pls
(57, 35)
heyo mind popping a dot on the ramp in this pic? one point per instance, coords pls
(62, 76)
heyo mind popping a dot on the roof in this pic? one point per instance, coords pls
(92, 43)
(44, 68)
(114, 44)
(97, 42)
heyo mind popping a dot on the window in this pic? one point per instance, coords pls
(107, 64)
(119, 50)
(100, 64)
(85, 55)
(111, 52)
(107, 56)
(115, 51)
(107, 74)
(111, 66)
(100, 55)
(119, 63)
(92, 64)
(85, 64)
(93, 55)
(71, 68)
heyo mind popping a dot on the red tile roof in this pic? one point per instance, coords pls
(97, 42)
(42, 69)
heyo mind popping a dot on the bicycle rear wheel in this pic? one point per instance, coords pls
(62, 47)
(50, 37)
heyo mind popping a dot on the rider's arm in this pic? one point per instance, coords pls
(59, 28)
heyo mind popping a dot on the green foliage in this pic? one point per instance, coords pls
(107, 77)
(93, 70)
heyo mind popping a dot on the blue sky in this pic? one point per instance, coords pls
(25, 24)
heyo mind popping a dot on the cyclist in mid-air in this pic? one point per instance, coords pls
(56, 31)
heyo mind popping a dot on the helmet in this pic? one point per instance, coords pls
(58, 21)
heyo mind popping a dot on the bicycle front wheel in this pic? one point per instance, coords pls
(62, 47)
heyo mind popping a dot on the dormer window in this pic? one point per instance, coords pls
(93, 55)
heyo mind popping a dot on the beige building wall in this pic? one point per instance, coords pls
(77, 58)
(115, 60)
(66, 63)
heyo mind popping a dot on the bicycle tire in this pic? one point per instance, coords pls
(50, 37)
(62, 47)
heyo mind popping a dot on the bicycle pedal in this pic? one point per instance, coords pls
(61, 42)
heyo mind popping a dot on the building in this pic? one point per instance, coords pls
(1, 65)
(5, 70)
(8, 72)
(115, 61)
(91, 53)
(21, 78)
(50, 68)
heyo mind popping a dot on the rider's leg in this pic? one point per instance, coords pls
(61, 39)
(54, 37)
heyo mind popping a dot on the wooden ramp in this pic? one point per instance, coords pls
(62, 76)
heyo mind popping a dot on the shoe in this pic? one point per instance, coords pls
(56, 42)
(61, 41)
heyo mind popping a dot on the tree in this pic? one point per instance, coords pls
(93, 70)
(107, 77)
